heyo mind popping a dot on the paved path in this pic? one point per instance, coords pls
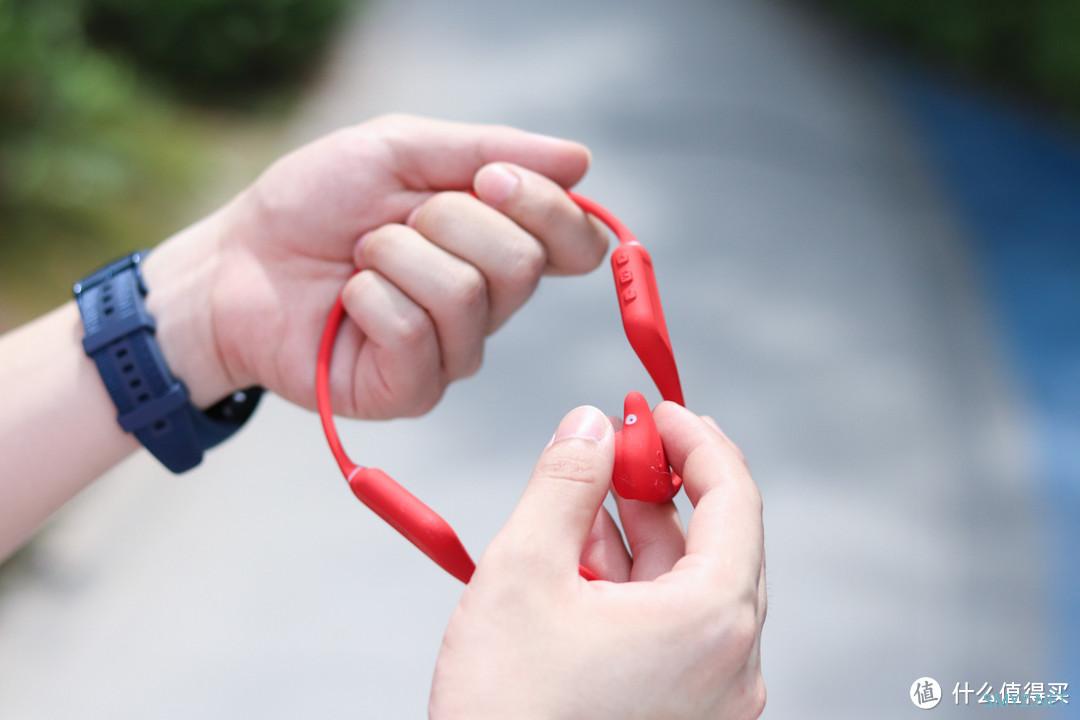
(821, 305)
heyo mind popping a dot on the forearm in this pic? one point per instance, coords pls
(58, 425)
(58, 428)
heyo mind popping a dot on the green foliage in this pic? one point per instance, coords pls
(85, 157)
(217, 49)
(1032, 46)
(94, 159)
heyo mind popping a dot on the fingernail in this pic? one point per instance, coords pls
(496, 183)
(585, 422)
(412, 215)
(712, 422)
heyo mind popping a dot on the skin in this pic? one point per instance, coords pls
(682, 639)
(240, 298)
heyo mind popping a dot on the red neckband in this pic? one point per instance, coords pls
(643, 320)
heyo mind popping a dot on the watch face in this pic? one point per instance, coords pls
(236, 408)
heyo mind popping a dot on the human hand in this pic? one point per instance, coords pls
(241, 297)
(532, 639)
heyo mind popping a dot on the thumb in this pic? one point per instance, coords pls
(551, 523)
(441, 155)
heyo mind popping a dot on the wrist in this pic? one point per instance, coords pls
(180, 275)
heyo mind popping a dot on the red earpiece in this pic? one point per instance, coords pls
(643, 317)
(641, 467)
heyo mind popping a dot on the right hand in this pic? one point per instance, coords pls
(532, 639)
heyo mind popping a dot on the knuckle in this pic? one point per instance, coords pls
(414, 328)
(469, 291)
(729, 626)
(379, 243)
(438, 207)
(567, 467)
(739, 633)
(358, 290)
(527, 264)
(589, 245)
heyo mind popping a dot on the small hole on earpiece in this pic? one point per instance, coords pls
(160, 425)
(128, 367)
(630, 419)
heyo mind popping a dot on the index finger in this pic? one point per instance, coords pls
(434, 154)
(726, 525)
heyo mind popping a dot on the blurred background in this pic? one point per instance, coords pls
(865, 218)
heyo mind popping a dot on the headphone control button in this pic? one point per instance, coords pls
(629, 294)
(625, 277)
(621, 258)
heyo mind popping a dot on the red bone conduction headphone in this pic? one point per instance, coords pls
(641, 469)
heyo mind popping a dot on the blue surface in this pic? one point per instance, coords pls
(1016, 180)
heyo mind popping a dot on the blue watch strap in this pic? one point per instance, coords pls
(152, 404)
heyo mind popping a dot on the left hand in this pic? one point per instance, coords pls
(241, 297)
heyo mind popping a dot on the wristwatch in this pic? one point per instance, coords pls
(152, 403)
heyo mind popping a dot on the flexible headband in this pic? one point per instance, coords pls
(641, 470)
